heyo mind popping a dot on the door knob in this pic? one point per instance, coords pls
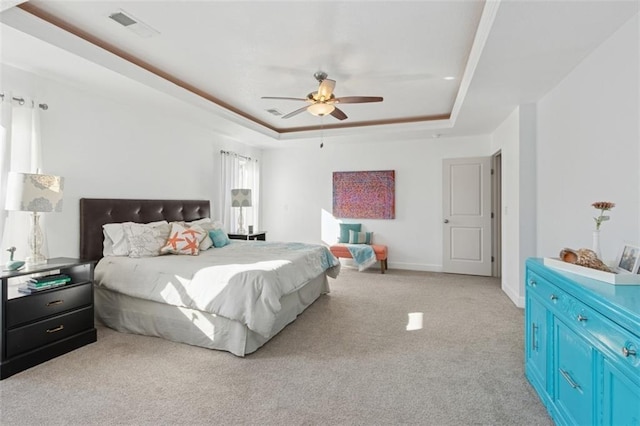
(446, 221)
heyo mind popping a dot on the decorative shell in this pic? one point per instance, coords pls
(583, 257)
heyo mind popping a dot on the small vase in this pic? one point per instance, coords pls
(596, 243)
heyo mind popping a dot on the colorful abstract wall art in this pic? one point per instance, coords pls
(365, 195)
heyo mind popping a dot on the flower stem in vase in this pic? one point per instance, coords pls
(596, 244)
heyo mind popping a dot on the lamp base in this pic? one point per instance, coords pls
(35, 259)
(240, 229)
(36, 239)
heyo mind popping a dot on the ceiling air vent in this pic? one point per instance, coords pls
(133, 24)
(274, 111)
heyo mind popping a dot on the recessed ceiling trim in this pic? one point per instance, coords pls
(27, 7)
(489, 12)
(72, 29)
(369, 123)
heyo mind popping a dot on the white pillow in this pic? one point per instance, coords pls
(115, 241)
(146, 240)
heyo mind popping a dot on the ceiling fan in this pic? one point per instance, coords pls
(323, 101)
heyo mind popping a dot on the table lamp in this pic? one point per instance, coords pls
(241, 197)
(34, 193)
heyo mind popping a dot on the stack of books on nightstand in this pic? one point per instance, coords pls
(35, 284)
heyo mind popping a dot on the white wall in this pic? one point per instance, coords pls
(506, 139)
(105, 148)
(297, 189)
(588, 143)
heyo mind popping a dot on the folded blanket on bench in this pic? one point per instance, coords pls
(363, 255)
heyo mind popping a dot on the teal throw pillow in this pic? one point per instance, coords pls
(360, 237)
(219, 237)
(345, 228)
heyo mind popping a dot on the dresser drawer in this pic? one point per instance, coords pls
(24, 309)
(23, 339)
(623, 344)
(545, 290)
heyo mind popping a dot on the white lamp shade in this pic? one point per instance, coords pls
(241, 197)
(34, 193)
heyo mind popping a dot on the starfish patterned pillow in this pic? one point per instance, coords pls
(184, 240)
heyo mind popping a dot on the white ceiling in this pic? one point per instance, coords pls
(226, 55)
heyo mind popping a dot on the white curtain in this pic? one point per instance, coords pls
(239, 172)
(20, 151)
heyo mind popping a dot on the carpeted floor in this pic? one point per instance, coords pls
(349, 359)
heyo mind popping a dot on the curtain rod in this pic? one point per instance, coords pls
(222, 151)
(21, 101)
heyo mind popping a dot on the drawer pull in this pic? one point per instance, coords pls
(626, 352)
(553, 297)
(582, 318)
(55, 330)
(55, 302)
(569, 380)
(532, 283)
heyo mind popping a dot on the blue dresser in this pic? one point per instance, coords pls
(582, 347)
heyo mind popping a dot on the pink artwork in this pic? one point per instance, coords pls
(366, 195)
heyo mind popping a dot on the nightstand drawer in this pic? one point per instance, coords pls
(32, 336)
(28, 308)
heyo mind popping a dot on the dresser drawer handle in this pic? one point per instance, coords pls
(532, 283)
(626, 352)
(582, 318)
(55, 330)
(553, 297)
(55, 302)
(569, 380)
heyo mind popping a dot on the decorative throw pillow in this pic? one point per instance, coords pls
(206, 225)
(184, 240)
(219, 237)
(146, 240)
(360, 237)
(344, 231)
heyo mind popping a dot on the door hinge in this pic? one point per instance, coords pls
(491, 215)
(492, 171)
(493, 259)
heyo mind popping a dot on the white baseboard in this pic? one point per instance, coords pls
(516, 298)
(397, 265)
(415, 266)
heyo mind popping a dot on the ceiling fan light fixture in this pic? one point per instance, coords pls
(319, 109)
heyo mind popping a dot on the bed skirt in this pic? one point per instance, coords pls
(138, 316)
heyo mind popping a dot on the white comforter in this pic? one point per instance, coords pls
(242, 281)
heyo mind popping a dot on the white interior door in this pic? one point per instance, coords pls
(467, 216)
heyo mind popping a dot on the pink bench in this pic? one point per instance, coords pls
(341, 250)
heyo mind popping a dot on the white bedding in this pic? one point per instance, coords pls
(243, 281)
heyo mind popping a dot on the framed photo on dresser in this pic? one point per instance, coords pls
(628, 260)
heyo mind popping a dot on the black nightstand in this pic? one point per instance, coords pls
(259, 236)
(39, 326)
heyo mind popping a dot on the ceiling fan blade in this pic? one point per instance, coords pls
(337, 113)
(296, 112)
(285, 98)
(357, 99)
(326, 89)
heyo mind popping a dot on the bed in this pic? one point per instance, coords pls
(200, 299)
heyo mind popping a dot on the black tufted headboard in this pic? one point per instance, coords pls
(95, 212)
